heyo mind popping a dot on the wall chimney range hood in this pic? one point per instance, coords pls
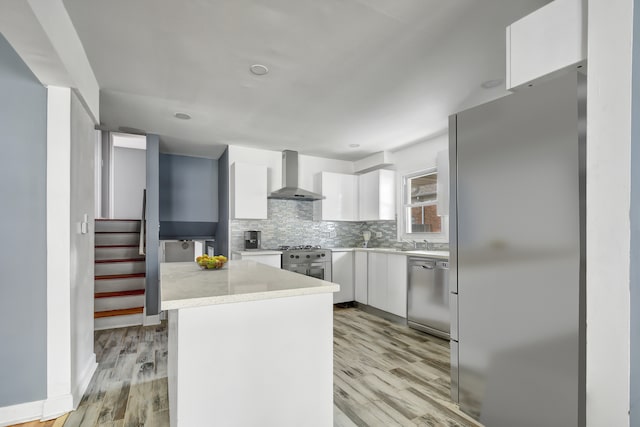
(290, 189)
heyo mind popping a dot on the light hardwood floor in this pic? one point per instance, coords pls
(384, 375)
(129, 387)
(387, 374)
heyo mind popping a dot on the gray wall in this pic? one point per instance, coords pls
(290, 222)
(222, 235)
(152, 293)
(188, 189)
(83, 137)
(23, 277)
(634, 391)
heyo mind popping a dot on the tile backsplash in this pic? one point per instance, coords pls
(290, 222)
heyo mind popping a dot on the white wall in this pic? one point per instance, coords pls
(415, 158)
(608, 203)
(129, 180)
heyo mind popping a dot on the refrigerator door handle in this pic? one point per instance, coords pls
(427, 267)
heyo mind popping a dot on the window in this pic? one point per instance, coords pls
(420, 203)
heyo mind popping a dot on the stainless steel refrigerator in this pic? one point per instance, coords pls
(517, 266)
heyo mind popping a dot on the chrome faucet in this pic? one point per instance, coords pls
(412, 242)
(428, 245)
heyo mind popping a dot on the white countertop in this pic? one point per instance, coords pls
(256, 252)
(417, 252)
(185, 284)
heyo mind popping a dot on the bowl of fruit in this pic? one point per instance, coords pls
(207, 262)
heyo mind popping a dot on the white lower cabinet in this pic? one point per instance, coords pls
(377, 283)
(397, 285)
(387, 282)
(342, 274)
(360, 277)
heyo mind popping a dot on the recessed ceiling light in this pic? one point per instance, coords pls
(259, 69)
(354, 145)
(182, 116)
(490, 84)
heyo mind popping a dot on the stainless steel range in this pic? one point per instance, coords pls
(308, 260)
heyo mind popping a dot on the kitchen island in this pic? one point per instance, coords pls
(248, 345)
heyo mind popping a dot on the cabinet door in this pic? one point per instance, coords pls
(248, 191)
(368, 196)
(397, 285)
(377, 283)
(377, 195)
(342, 272)
(360, 277)
(386, 195)
(340, 191)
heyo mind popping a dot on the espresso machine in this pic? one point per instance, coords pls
(252, 239)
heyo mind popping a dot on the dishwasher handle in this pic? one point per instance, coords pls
(427, 264)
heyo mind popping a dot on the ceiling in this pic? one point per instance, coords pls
(379, 73)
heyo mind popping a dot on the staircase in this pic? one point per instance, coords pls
(119, 274)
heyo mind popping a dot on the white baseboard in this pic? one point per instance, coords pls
(84, 380)
(151, 320)
(56, 406)
(21, 413)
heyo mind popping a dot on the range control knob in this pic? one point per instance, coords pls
(323, 254)
(291, 256)
(297, 256)
(308, 256)
(318, 255)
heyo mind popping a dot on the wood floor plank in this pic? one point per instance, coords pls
(385, 374)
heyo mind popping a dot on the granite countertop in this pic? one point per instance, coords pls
(257, 252)
(185, 284)
(416, 252)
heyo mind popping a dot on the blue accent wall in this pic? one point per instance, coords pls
(188, 189)
(23, 267)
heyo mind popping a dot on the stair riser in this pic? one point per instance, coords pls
(108, 269)
(117, 239)
(117, 321)
(117, 303)
(117, 253)
(121, 226)
(115, 285)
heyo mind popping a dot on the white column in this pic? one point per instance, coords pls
(610, 35)
(59, 398)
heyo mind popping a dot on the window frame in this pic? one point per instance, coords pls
(406, 205)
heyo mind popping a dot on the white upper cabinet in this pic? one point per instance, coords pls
(545, 42)
(248, 191)
(341, 197)
(377, 195)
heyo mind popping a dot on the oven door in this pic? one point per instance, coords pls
(319, 271)
(296, 268)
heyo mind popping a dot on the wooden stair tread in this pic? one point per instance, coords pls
(119, 293)
(120, 276)
(116, 246)
(120, 312)
(106, 261)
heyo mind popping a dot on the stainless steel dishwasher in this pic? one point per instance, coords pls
(428, 296)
